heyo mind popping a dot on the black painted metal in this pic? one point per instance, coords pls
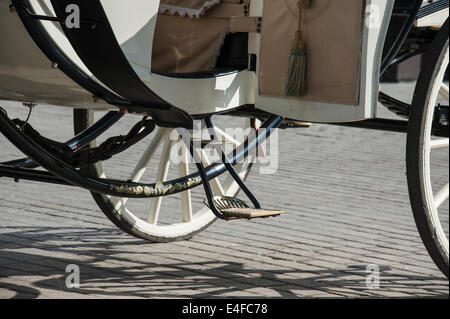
(54, 19)
(19, 173)
(207, 187)
(121, 188)
(99, 50)
(406, 56)
(48, 47)
(164, 113)
(112, 146)
(204, 176)
(95, 130)
(398, 31)
(229, 167)
(225, 161)
(402, 21)
(398, 107)
(389, 125)
(79, 141)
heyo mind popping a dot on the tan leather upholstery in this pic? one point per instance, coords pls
(333, 36)
(183, 44)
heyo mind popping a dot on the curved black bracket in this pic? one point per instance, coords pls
(99, 50)
(98, 45)
(56, 56)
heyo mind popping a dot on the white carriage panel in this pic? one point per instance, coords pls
(134, 27)
(54, 30)
(26, 74)
(435, 20)
(205, 95)
(44, 7)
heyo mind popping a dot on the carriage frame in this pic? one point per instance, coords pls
(413, 29)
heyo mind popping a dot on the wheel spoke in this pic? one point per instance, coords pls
(226, 137)
(186, 201)
(141, 166)
(139, 218)
(439, 143)
(444, 91)
(441, 196)
(163, 170)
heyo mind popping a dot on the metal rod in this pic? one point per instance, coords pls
(204, 177)
(30, 175)
(80, 140)
(402, 58)
(120, 188)
(390, 126)
(379, 124)
(396, 106)
(229, 167)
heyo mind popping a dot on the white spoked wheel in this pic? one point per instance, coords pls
(169, 218)
(427, 154)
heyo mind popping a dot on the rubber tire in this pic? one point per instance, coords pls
(414, 157)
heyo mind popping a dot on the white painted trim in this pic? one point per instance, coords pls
(206, 95)
(134, 27)
(435, 20)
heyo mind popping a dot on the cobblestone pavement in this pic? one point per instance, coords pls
(345, 193)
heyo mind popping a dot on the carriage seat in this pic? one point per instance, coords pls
(190, 35)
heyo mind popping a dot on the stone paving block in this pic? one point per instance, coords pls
(347, 206)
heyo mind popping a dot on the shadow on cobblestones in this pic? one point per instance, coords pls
(113, 265)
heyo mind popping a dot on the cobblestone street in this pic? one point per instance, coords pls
(344, 191)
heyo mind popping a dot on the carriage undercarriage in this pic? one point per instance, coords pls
(80, 161)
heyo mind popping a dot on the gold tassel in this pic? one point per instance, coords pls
(295, 83)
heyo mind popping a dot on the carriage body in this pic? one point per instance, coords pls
(30, 75)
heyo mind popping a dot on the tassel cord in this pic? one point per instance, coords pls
(295, 83)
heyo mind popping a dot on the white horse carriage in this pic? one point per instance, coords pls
(162, 65)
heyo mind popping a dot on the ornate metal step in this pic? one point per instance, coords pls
(234, 208)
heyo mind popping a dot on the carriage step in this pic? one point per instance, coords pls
(234, 208)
